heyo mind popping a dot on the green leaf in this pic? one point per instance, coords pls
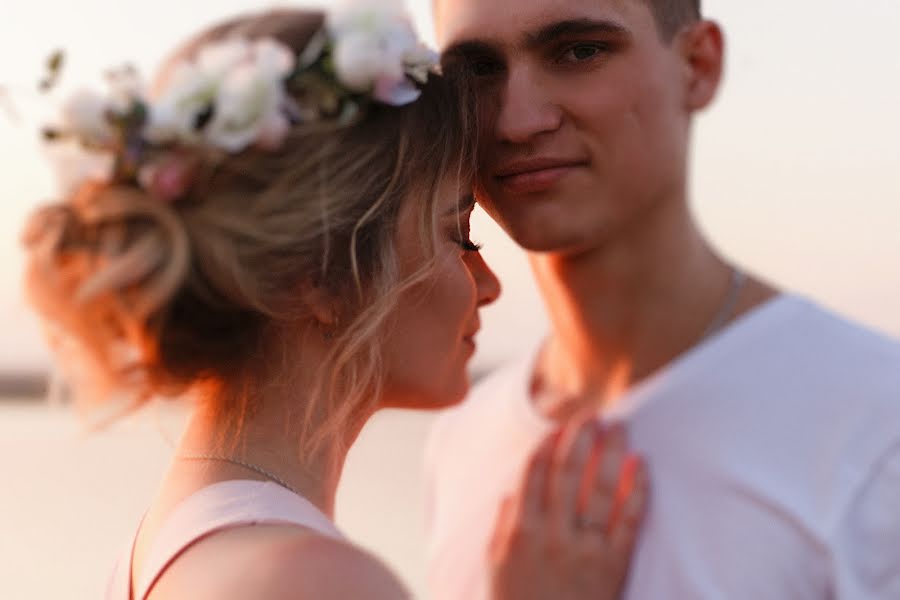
(53, 67)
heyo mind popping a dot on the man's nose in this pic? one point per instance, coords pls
(526, 110)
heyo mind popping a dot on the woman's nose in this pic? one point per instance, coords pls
(487, 284)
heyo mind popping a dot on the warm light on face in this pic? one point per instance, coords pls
(428, 348)
(793, 174)
(586, 118)
(801, 145)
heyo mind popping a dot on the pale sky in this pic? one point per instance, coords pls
(796, 171)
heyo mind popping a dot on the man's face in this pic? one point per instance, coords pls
(586, 117)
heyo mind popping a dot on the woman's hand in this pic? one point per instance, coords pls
(570, 531)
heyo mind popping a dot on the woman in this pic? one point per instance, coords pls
(281, 232)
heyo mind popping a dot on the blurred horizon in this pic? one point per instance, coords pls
(794, 176)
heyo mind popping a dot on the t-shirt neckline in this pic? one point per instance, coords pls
(641, 392)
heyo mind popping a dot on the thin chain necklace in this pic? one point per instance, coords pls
(722, 316)
(234, 461)
(726, 310)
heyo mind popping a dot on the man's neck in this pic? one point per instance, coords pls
(625, 309)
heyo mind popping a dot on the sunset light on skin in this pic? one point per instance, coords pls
(794, 176)
(794, 165)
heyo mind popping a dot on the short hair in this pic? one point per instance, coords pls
(672, 15)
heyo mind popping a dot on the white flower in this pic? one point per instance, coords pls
(420, 62)
(238, 85)
(84, 115)
(373, 15)
(173, 116)
(74, 165)
(191, 91)
(216, 59)
(248, 104)
(375, 48)
(273, 59)
(360, 58)
(250, 100)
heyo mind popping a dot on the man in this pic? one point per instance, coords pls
(771, 427)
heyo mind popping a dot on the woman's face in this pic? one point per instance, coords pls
(433, 336)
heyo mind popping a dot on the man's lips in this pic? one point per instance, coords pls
(469, 337)
(534, 175)
(469, 347)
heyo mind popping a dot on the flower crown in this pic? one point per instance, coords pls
(236, 94)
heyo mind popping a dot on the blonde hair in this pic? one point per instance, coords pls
(165, 297)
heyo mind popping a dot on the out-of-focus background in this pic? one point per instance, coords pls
(796, 175)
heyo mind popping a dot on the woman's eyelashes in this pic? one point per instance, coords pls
(459, 235)
(461, 238)
(463, 225)
(469, 246)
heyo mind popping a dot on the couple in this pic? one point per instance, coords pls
(298, 268)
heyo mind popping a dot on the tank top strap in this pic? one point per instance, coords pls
(221, 506)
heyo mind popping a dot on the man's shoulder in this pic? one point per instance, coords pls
(807, 359)
(811, 333)
(831, 323)
(816, 362)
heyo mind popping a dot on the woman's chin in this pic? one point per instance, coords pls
(430, 399)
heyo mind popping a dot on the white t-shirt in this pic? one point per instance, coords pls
(774, 456)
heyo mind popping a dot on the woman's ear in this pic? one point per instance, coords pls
(702, 48)
(321, 303)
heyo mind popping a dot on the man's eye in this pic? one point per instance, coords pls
(583, 52)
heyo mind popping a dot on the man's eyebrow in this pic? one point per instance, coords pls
(541, 37)
(468, 48)
(550, 33)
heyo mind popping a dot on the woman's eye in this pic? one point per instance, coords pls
(470, 246)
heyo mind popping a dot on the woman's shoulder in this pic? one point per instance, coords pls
(277, 562)
(315, 566)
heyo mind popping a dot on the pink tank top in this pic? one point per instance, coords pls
(212, 509)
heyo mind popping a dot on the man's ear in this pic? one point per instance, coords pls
(702, 47)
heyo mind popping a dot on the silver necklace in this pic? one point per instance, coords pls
(234, 461)
(726, 311)
(722, 316)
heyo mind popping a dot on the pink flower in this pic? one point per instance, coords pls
(169, 178)
(395, 91)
